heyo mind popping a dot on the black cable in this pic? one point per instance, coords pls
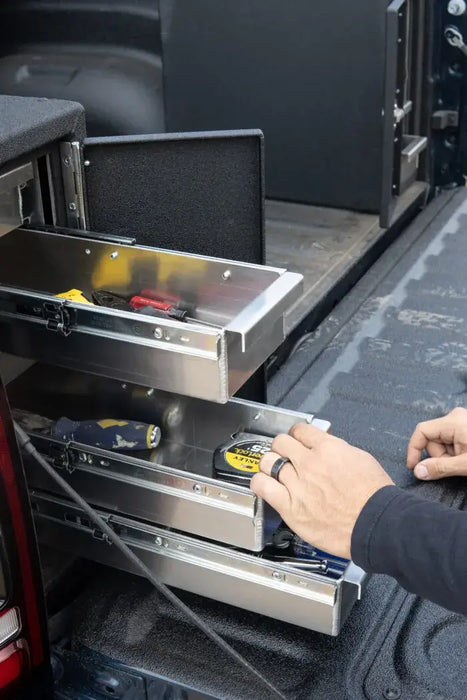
(27, 446)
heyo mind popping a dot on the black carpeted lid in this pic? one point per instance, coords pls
(201, 193)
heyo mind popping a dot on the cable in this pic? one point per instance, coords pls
(27, 446)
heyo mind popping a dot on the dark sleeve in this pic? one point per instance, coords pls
(423, 545)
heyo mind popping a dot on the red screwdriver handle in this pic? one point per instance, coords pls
(139, 302)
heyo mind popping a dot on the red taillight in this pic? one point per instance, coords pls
(13, 661)
(10, 625)
(13, 658)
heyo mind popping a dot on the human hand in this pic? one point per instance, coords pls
(322, 489)
(445, 440)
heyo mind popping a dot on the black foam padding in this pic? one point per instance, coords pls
(29, 123)
(197, 193)
(396, 353)
(309, 74)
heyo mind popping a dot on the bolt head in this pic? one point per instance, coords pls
(87, 251)
(67, 161)
(114, 255)
(456, 7)
(276, 575)
(197, 488)
(72, 206)
(226, 275)
(157, 333)
(158, 541)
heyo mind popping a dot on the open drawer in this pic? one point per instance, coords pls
(235, 312)
(173, 485)
(302, 598)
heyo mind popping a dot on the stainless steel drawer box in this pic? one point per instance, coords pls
(306, 599)
(237, 310)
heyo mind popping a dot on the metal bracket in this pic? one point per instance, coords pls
(58, 317)
(444, 119)
(73, 184)
(12, 184)
(60, 456)
(82, 522)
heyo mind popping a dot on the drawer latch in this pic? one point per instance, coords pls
(58, 317)
(60, 457)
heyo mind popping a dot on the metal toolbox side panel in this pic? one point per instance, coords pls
(273, 598)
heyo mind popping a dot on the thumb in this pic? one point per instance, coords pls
(439, 467)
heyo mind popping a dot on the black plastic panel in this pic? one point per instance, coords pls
(310, 74)
(196, 193)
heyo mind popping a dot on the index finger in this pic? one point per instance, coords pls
(308, 435)
(436, 430)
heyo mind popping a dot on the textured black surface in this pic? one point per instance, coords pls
(27, 124)
(396, 353)
(309, 74)
(199, 193)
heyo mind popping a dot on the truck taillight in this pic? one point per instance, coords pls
(10, 625)
(21, 625)
(13, 662)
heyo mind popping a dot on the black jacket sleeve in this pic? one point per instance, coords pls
(423, 545)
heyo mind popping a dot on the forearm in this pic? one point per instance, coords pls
(423, 545)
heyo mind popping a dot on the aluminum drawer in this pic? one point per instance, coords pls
(244, 580)
(238, 310)
(172, 486)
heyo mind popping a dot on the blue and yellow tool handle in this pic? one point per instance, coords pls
(109, 434)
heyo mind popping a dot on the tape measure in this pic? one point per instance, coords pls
(238, 459)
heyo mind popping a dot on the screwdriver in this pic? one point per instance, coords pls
(139, 302)
(107, 433)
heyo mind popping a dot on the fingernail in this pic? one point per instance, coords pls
(421, 472)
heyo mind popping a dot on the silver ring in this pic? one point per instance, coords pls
(277, 466)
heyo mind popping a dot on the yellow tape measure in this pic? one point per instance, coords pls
(239, 458)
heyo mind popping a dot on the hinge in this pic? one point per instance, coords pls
(58, 317)
(73, 184)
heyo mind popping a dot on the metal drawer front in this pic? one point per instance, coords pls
(306, 599)
(237, 308)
